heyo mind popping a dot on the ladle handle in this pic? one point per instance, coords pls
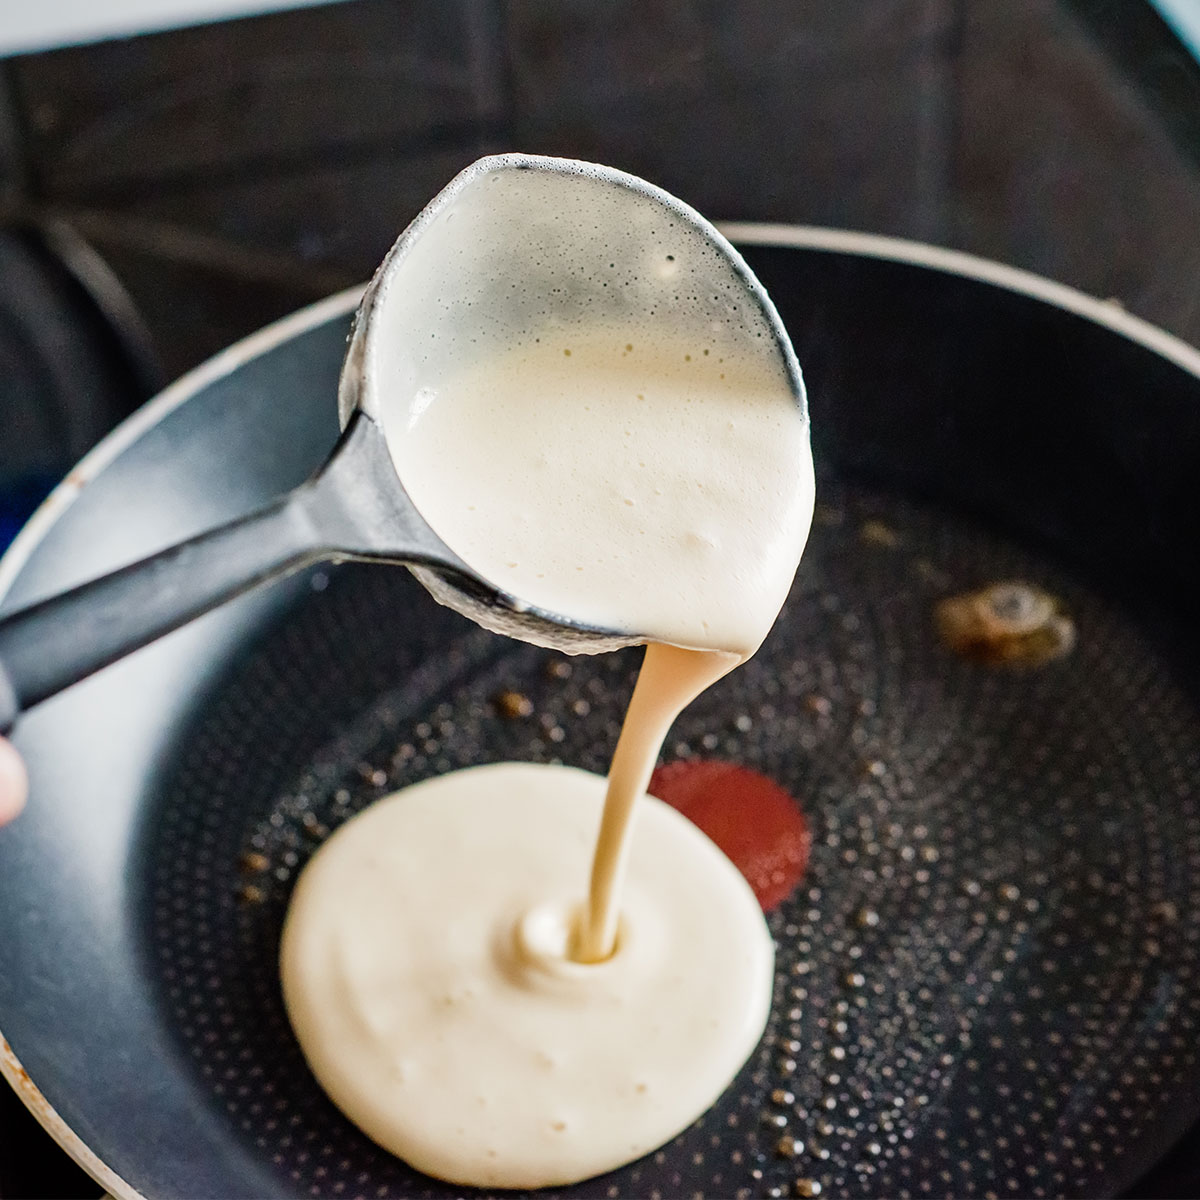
(353, 508)
(55, 643)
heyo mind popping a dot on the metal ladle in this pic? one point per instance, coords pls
(513, 244)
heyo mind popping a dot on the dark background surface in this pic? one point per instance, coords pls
(230, 173)
(162, 196)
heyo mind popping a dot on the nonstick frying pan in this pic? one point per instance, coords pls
(987, 980)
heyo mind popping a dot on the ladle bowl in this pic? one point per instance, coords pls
(513, 245)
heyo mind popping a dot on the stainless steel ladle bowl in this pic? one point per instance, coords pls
(514, 244)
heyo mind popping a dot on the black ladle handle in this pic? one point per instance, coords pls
(354, 508)
(60, 641)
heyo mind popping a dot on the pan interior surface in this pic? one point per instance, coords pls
(986, 981)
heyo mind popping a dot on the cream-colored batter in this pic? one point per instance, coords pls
(650, 488)
(655, 489)
(456, 989)
(670, 679)
(426, 975)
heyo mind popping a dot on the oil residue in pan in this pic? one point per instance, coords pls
(986, 981)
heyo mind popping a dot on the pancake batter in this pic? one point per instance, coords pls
(426, 973)
(455, 988)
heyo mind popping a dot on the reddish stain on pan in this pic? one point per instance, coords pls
(755, 822)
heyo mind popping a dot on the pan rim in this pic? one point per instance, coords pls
(154, 410)
(1110, 312)
(1107, 313)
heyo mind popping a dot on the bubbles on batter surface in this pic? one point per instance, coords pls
(508, 257)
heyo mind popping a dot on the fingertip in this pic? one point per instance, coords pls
(14, 782)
